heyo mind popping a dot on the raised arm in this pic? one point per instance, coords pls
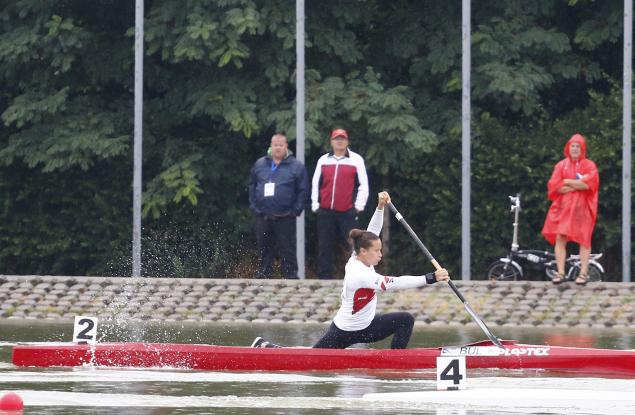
(377, 221)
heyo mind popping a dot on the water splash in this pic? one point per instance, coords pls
(172, 250)
(185, 250)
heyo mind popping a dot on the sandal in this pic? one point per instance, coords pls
(582, 279)
(559, 278)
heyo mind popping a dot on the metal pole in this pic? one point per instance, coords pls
(138, 138)
(627, 109)
(299, 123)
(465, 140)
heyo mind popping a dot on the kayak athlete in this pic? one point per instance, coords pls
(356, 321)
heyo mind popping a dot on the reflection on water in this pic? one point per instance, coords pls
(168, 391)
(308, 334)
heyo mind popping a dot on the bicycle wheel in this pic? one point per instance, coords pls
(595, 273)
(503, 271)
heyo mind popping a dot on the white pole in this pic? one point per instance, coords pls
(299, 123)
(627, 108)
(138, 139)
(465, 140)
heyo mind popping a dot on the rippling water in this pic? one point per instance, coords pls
(91, 390)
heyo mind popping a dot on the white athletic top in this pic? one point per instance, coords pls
(361, 284)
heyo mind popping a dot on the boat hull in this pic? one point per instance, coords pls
(605, 362)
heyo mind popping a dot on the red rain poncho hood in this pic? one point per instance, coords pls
(572, 214)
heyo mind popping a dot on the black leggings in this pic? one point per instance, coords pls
(400, 324)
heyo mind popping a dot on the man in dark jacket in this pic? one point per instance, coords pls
(277, 194)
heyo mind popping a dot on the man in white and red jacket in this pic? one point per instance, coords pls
(339, 192)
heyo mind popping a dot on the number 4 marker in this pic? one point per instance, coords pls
(85, 329)
(451, 373)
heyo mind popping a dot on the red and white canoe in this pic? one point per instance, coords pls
(481, 355)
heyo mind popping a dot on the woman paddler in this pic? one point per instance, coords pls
(356, 321)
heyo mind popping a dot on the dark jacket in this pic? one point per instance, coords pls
(291, 187)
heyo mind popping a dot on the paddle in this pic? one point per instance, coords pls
(427, 253)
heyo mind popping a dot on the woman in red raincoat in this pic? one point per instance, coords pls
(573, 190)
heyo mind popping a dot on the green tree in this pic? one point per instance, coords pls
(220, 80)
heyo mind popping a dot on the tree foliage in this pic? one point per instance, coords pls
(220, 79)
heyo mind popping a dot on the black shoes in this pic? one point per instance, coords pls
(262, 343)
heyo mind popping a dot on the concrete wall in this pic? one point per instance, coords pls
(248, 300)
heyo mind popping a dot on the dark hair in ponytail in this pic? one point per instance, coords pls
(361, 239)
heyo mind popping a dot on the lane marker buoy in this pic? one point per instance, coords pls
(11, 402)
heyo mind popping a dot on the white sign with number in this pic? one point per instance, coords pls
(451, 373)
(85, 329)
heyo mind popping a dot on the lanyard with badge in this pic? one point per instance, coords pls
(270, 187)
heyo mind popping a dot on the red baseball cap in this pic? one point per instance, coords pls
(339, 132)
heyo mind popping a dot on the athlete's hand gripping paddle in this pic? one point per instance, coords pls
(434, 262)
